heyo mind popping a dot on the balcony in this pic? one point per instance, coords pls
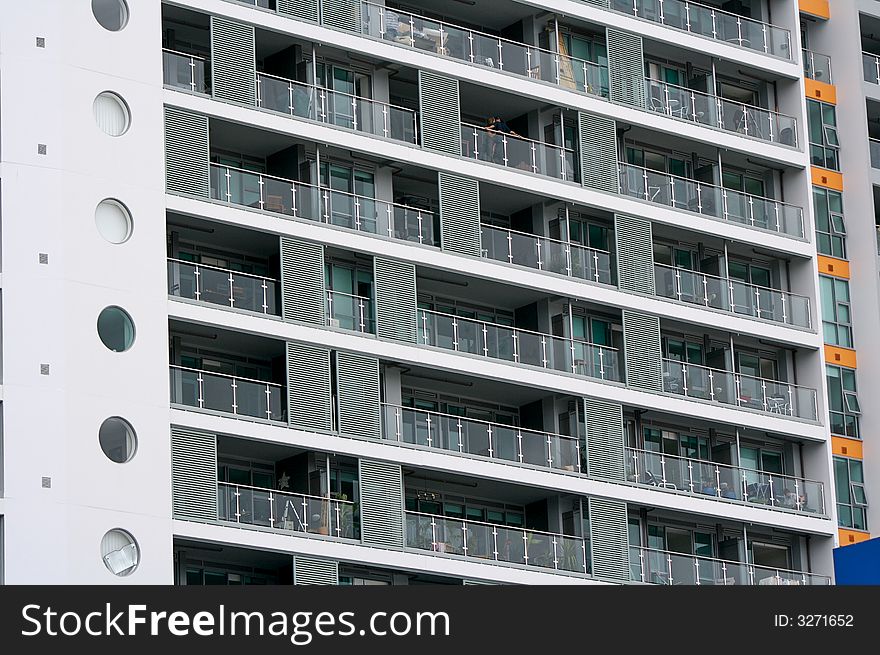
(874, 146)
(475, 540)
(871, 67)
(733, 296)
(469, 46)
(521, 347)
(286, 512)
(712, 111)
(350, 312)
(220, 286)
(314, 103)
(544, 254)
(711, 23)
(710, 201)
(738, 390)
(663, 567)
(501, 443)
(290, 198)
(817, 66)
(518, 152)
(185, 71)
(724, 482)
(228, 394)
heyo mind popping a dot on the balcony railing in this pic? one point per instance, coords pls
(739, 390)
(336, 108)
(498, 543)
(732, 296)
(871, 67)
(874, 146)
(184, 71)
(663, 567)
(350, 312)
(459, 434)
(290, 198)
(546, 254)
(687, 104)
(712, 23)
(220, 286)
(712, 201)
(518, 346)
(517, 152)
(228, 394)
(289, 512)
(817, 66)
(437, 37)
(724, 482)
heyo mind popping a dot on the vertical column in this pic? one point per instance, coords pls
(641, 350)
(396, 309)
(193, 474)
(357, 388)
(309, 392)
(439, 113)
(605, 442)
(626, 67)
(609, 539)
(381, 510)
(303, 292)
(315, 571)
(460, 214)
(187, 153)
(635, 254)
(598, 146)
(233, 61)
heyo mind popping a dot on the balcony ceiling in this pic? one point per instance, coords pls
(214, 339)
(223, 554)
(490, 15)
(468, 386)
(223, 237)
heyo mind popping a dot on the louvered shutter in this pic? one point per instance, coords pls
(303, 290)
(396, 308)
(641, 345)
(635, 254)
(598, 145)
(605, 443)
(341, 14)
(381, 508)
(626, 68)
(460, 214)
(193, 474)
(309, 395)
(233, 61)
(315, 571)
(609, 539)
(357, 384)
(187, 156)
(304, 9)
(439, 111)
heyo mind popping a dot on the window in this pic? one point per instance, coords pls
(836, 319)
(824, 141)
(830, 226)
(844, 405)
(849, 484)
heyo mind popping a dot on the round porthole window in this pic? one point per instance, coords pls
(120, 552)
(111, 14)
(116, 329)
(118, 439)
(111, 114)
(113, 221)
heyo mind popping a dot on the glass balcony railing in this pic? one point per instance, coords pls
(220, 286)
(546, 254)
(739, 390)
(459, 434)
(497, 543)
(227, 394)
(732, 296)
(518, 346)
(284, 511)
(350, 312)
(721, 113)
(711, 201)
(278, 195)
(817, 66)
(517, 152)
(871, 67)
(335, 108)
(263, 4)
(184, 71)
(663, 567)
(874, 146)
(437, 37)
(724, 482)
(711, 23)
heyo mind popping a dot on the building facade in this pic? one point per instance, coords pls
(353, 292)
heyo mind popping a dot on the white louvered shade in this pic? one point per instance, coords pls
(111, 114)
(460, 214)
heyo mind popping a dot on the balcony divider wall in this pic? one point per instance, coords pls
(187, 153)
(396, 308)
(315, 571)
(309, 395)
(302, 9)
(439, 113)
(635, 254)
(233, 61)
(358, 397)
(641, 351)
(606, 449)
(193, 475)
(381, 504)
(303, 289)
(598, 146)
(459, 214)
(609, 539)
(626, 68)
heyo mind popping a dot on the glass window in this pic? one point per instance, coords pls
(843, 411)
(850, 493)
(830, 225)
(836, 319)
(824, 142)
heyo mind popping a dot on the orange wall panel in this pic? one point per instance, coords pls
(819, 8)
(848, 537)
(840, 356)
(826, 178)
(820, 91)
(833, 266)
(846, 447)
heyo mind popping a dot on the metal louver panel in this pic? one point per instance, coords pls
(302, 281)
(396, 308)
(635, 254)
(193, 474)
(598, 145)
(233, 61)
(609, 539)
(641, 351)
(357, 387)
(187, 156)
(598, 3)
(304, 9)
(312, 571)
(605, 444)
(460, 214)
(341, 14)
(439, 113)
(381, 510)
(309, 396)
(626, 68)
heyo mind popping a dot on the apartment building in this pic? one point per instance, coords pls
(455, 292)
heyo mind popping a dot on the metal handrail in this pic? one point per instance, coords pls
(184, 54)
(226, 375)
(810, 64)
(515, 137)
(223, 270)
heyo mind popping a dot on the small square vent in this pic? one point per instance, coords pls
(44, 258)
(47, 483)
(41, 42)
(41, 149)
(44, 369)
